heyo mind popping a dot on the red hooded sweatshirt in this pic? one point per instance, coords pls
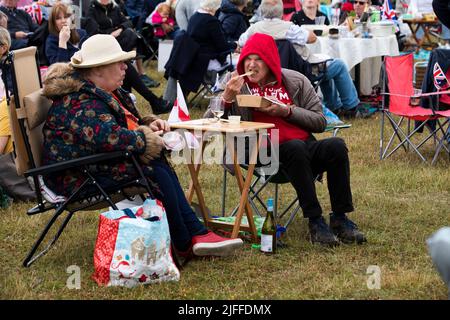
(265, 47)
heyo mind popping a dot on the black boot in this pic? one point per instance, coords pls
(345, 229)
(160, 106)
(321, 233)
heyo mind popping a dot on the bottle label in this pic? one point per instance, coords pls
(267, 243)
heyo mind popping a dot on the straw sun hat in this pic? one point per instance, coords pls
(100, 50)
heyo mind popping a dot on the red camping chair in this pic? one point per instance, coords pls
(396, 107)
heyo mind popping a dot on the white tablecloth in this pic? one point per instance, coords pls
(353, 51)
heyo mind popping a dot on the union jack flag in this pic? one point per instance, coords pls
(387, 12)
(440, 80)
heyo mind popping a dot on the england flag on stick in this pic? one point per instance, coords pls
(387, 12)
(440, 80)
(179, 111)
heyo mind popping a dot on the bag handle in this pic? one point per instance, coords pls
(129, 213)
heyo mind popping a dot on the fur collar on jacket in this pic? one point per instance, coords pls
(61, 79)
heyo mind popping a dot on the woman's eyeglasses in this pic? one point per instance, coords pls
(360, 2)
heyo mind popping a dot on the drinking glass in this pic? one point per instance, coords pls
(319, 20)
(217, 107)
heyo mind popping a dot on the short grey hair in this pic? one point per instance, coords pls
(210, 5)
(271, 9)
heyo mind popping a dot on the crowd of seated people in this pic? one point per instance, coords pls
(217, 26)
(125, 20)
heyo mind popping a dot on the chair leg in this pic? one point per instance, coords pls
(382, 134)
(224, 190)
(31, 257)
(253, 196)
(275, 206)
(405, 141)
(292, 216)
(441, 145)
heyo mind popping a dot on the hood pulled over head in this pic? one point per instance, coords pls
(265, 47)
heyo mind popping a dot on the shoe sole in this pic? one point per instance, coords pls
(219, 249)
(328, 245)
(325, 244)
(357, 240)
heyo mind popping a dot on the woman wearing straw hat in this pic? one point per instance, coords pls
(91, 114)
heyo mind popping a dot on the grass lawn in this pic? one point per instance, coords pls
(399, 203)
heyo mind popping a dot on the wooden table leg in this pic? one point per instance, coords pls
(197, 163)
(194, 185)
(414, 28)
(190, 192)
(198, 191)
(244, 189)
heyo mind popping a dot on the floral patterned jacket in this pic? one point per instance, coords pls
(85, 120)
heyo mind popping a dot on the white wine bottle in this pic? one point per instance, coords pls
(269, 231)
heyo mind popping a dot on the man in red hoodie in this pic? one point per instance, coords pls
(301, 155)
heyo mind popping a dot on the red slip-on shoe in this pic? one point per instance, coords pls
(211, 244)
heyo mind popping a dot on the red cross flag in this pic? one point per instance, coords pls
(179, 111)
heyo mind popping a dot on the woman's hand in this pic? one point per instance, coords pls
(233, 87)
(153, 144)
(159, 125)
(64, 36)
(116, 33)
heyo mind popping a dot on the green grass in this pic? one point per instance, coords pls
(399, 203)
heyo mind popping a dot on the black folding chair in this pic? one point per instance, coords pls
(278, 178)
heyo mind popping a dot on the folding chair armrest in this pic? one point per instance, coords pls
(56, 167)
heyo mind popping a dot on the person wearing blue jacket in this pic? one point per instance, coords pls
(232, 18)
(63, 40)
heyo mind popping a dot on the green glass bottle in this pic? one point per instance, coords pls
(269, 231)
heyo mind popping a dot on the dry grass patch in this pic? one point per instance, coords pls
(399, 203)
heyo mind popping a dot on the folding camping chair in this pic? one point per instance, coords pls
(396, 108)
(279, 177)
(28, 111)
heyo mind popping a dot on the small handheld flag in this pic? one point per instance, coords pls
(179, 111)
